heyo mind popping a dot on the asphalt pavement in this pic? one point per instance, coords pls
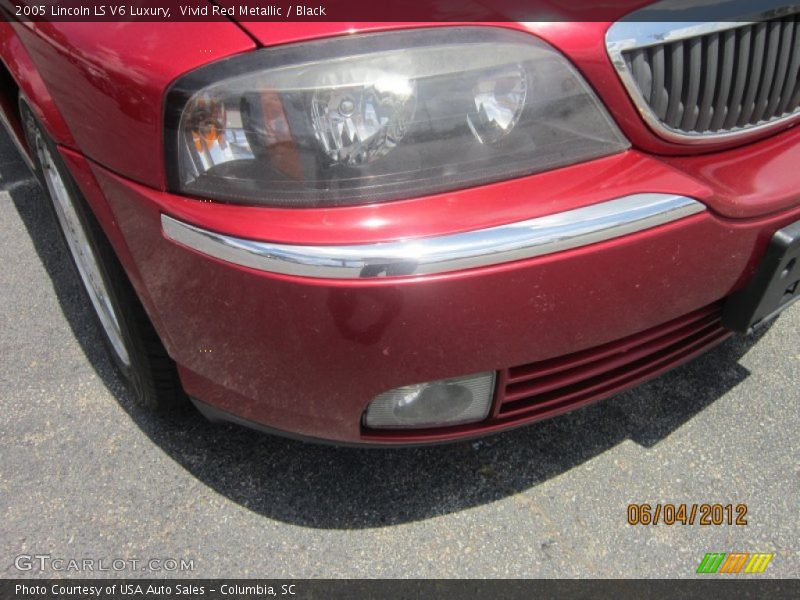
(86, 474)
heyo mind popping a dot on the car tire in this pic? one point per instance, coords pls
(130, 338)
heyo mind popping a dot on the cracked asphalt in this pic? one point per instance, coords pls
(85, 473)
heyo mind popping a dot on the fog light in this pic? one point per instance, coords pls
(446, 402)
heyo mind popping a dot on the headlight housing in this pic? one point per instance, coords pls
(375, 117)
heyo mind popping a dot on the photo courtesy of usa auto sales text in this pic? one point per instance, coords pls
(62, 590)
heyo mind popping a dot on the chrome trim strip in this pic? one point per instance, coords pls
(633, 31)
(426, 256)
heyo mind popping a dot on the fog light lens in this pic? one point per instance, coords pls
(445, 402)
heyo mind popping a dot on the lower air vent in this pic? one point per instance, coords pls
(552, 386)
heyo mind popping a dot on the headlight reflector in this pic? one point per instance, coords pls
(499, 100)
(357, 125)
(374, 117)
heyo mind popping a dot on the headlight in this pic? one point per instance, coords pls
(375, 117)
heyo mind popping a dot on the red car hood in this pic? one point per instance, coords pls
(392, 14)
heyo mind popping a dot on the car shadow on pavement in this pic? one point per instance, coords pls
(348, 488)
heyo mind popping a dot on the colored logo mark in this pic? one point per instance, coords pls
(734, 562)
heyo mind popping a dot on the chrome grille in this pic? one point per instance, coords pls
(716, 79)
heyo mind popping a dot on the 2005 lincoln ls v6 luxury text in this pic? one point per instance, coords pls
(401, 233)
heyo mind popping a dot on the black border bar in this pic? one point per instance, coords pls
(710, 586)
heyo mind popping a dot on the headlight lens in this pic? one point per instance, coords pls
(376, 117)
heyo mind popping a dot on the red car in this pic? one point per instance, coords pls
(397, 233)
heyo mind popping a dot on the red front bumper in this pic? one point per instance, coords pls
(306, 356)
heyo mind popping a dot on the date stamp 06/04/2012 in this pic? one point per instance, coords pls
(687, 514)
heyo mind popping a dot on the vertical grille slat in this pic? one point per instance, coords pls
(742, 71)
(659, 98)
(734, 77)
(695, 68)
(674, 105)
(725, 76)
(795, 101)
(710, 86)
(769, 72)
(757, 59)
(787, 30)
(641, 70)
(791, 74)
